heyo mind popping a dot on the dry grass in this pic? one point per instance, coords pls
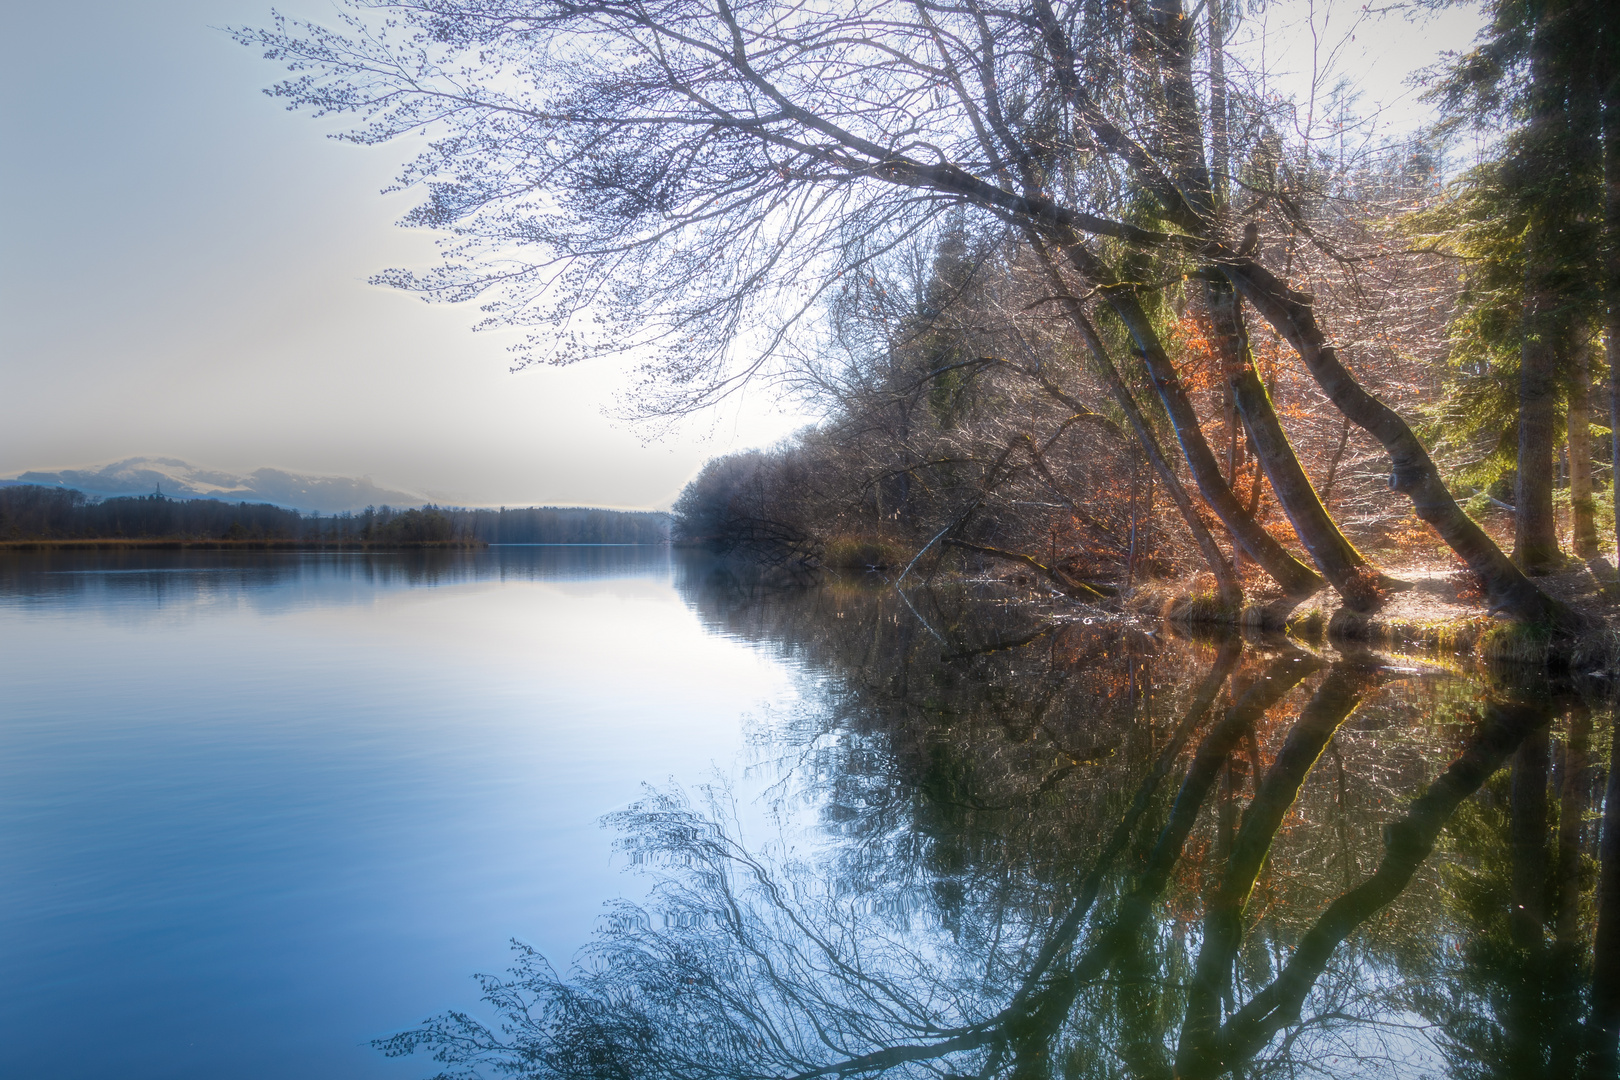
(848, 552)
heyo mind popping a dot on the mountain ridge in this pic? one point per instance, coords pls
(181, 479)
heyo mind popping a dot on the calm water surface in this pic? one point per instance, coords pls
(258, 811)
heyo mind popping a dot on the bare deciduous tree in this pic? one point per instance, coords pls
(692, 179)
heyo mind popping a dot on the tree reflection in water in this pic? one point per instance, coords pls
(1091, 851)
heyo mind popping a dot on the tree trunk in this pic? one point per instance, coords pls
(1609, 75)
(1145, 531)
(1227, 586)
(1220, 141)
(1172, 39)
(1535, 533)
(1295, 578)
(1583, 511)
(1334, 555)
(1333, 464)
(1413, 472)
(1136, 525)
(1555, 165)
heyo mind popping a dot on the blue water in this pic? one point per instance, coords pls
(259, 809)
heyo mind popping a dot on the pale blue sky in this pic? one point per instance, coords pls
(184, 273)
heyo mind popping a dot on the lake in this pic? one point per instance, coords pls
(259, 810)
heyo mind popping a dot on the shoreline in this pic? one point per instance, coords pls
(1442, 614)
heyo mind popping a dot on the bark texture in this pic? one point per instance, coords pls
(1609, 79)
(1582, 508)
(1553, 168)
(1227, 586)
(1344, 567)
(1295, 578)
(1413, 472)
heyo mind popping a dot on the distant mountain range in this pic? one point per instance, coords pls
(183, 480)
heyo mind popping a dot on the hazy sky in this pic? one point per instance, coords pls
(184, 264)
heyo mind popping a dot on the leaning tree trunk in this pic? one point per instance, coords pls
(1295, 578)
(1172, 39)
(1334, 555)
(1227, 586)
(1413, 472)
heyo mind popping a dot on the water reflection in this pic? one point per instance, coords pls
(1051, 848)
(255, 811)
(158, 578)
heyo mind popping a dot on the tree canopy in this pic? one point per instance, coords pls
(700, 184)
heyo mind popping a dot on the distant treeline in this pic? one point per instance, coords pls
(31, 512)
(554, 525)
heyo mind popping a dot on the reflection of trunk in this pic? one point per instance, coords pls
(1529, 841)
(1024, 1003)
(1407, 844)
(1413, 471)
(1603, 1058)
(1334, 555)
(1572, 800)
(1582, 510)
(1202, 700)
(1567, 959)
(1295, 578)
(1198, 1052)
(1281, 676)
(1047, 1008)
(1526, 1029)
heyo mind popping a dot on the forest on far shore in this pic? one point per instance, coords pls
(32, 513)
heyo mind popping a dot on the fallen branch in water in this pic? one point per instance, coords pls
(1063, 581)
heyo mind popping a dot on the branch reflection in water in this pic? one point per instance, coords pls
(1059, 849)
